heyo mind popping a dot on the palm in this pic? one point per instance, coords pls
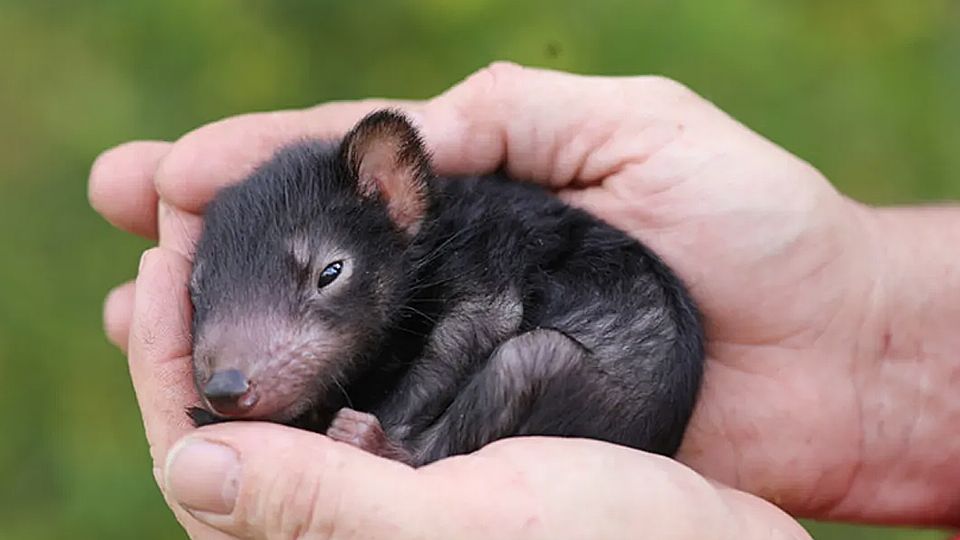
(766, 246)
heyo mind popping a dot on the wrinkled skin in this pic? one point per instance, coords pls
(793, 279)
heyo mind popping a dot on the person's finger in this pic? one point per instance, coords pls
(159, 354)
(261, 480)
(117, 311)
(551, 127)
(178, 229)
(159, 360)
(258, 480)
(221, 153)
(121, 186)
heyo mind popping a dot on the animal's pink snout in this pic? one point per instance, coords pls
(230, 393)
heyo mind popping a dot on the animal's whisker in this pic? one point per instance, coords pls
(418, 312)
(442, 281)
(438, 251)
(408, 331)
(427, 284)
(346, 396)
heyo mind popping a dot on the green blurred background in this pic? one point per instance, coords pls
(867, 91)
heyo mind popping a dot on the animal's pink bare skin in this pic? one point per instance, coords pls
(364, 431)
(285, 362)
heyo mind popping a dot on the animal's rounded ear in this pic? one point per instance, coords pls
(386, 156)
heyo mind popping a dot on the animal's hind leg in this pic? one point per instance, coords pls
(538, 383)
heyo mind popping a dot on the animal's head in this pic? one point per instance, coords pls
(300, 268)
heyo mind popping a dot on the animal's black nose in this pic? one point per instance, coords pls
(229, 393)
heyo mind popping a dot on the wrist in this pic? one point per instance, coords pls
(906, 376)
(920, 279)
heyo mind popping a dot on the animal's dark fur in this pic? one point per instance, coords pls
(505, 313)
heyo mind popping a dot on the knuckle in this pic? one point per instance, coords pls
(501, 70)
(171, 167)
(492, 81)
(192, 149)
(665, 87)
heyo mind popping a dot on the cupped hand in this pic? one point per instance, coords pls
(261, 480)
(782, 265)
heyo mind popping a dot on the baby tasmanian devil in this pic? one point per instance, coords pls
(344, 288)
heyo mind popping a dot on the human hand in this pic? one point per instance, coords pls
(261, 480)
(782, 265)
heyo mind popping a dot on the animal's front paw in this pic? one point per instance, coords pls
(202, 417)
(364, 431)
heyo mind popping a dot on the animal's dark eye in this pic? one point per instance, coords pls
(330, 273)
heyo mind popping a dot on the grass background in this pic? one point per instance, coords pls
(868, 92)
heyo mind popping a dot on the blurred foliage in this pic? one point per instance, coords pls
(867, 92)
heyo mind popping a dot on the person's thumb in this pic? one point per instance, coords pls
(260, 480)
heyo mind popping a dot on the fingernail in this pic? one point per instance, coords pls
(203, 476)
